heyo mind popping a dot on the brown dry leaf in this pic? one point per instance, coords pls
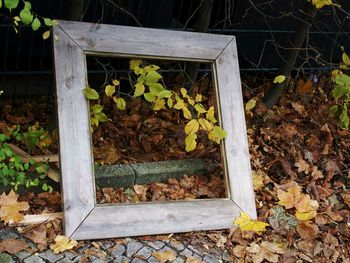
(315, 173)
(12, 246)
(346, 198)
(299, 108)
(239, 251)
(303, 166)
(307, 230)
(329, 139)
(266, 250)
(10, 208)
(165, 256)
(37, 234)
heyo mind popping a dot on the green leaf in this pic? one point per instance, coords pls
(94, 121)
(121, 104)
(36, 24)
(91, 94)
(333, 111)
(152, 77)
(101, 117)
(190, 142)
(50, 22)
(170, 103)
(205, 124)
(159, 104)
(346, 59)
(343, 79)
(344, 117)
(26, 15)
(11, 4)
(156, 88)
(139, 89)
(217, 134)
(109, 90)
(135, 64)
(199, 108)
(149, 97)
(339, 91)
(165, 94)
(0, 3)
(250, 105)
(97, 108)
(279, 79)
(187, 114)
(3, 137)
(191, 127)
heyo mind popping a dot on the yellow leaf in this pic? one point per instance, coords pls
(46, 34)
(199, 108)
(205, 124)
(166, 256)
(198, 98)
(211, 115)
(159, 104)
(183, 92)
(139, 89)
(191, 127)
(190, 142)
(62, 243)
(245, 223)
(10, 208)
(279, 79)
(170, 103)
(179, 104)
(346, 59)
(321, 3)
(115, 82)
(121, 104)
(250, 105)
(291, 197)
(308, 211)
(135, 64)
(187, 114)
(258, 180)
(109, 90)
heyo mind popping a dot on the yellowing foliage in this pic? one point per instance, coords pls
(245, 223)
(62, 243)
(10, 209)
(321, 3)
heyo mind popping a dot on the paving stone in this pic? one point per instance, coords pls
(22, 255)
(195, 250)
(50, 256)
(186, 252)
(100, 260)
(6, 234)
(107, 245)
(70, 255)
(118, 250)
(65, 260)
(144, 253)
(5, 258)
(166, 248)
(177, 245)
(156, 244)
(211, 259)
(132, 247)
(122, 259)
(178, 260)
(34, 259)
(152, 260)
(138, 260)
(226, 257)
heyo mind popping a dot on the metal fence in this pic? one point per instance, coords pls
(263, 30)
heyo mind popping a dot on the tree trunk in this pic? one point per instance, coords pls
(202, 25)
(273, 95)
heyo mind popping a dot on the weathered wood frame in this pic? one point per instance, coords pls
(83, 218)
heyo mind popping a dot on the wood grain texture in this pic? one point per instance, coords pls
(233, 120)
(74, 136)
(132, 41)
(157, 218)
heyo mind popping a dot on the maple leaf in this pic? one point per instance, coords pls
(12, 246)
(245, 223)
(164, 256)
(10, 208)
(62, 243)
(302, 166)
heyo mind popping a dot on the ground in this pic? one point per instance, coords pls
(298, 153)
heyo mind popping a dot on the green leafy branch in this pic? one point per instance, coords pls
(148, 84)
(27, 17)
(341, 93)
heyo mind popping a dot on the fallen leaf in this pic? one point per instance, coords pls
(280, 219)
(307, 230)
(37, 234)
(239, 251)
(10, 208)
(12, 246)
(299, 108)
(62, 243)
(245, 223)
(303, 166)
(267, 250)
(164, 256)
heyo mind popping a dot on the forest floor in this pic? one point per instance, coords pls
(299, 156)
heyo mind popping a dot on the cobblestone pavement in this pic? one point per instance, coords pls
(133, 250)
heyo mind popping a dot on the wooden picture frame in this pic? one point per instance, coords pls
(83, 218)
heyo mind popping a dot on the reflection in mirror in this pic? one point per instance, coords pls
(155, 135)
